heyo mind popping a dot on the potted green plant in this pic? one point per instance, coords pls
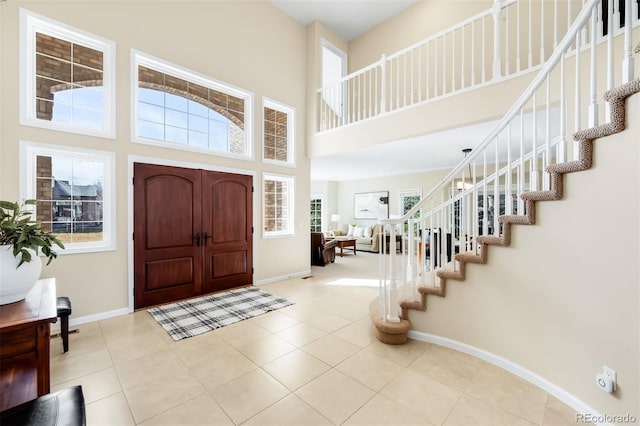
(21, 241)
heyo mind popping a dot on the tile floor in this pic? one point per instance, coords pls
(313, 363)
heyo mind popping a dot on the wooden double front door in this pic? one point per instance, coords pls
(192, 232)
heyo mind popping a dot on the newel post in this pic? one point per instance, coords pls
(497, 53)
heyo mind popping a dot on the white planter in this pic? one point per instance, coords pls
(15, 282)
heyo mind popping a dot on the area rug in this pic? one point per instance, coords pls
(196, 316)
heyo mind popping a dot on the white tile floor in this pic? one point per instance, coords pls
(313, 363)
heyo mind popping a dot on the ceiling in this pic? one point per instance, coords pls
(346, 18)
(349, 19)
(430, 152)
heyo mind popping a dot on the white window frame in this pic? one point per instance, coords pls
(30, 23)
(291, 180)
(28, 153)
(140, 58)
(290, 111)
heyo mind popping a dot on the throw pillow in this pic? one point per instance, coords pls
(368, 232)
(358, 231)
(350, 231)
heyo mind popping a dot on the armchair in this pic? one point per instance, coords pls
(322, 251)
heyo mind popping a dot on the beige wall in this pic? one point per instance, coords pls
(563, 299)
(252, 45)
(424, 181)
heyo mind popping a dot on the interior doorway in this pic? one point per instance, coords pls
(192, 232)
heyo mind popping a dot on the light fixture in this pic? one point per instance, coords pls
(463, 184)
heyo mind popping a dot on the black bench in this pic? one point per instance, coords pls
(65, 407)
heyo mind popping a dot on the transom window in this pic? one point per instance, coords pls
(278, 132)
(74, 193)
(188, 111)
(278, 202)
(66, 78)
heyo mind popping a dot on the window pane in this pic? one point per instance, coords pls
(88, 97)
(199, 124)
(150, 130)
(150, 96)
(198, 139)
(174, 134)
(177, 119)
(176, 102)
(87, 117)
(150, 112)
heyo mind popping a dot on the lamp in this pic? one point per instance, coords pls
(462, 184)
(335, 218)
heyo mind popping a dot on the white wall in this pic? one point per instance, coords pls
(252, 45)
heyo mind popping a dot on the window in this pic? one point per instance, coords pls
(277, 134)
(408, 199)
(74, 190)
(181, 109)
(278, 205)
(66, 78)
(316, 213)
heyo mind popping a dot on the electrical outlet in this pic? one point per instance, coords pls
(611, 374)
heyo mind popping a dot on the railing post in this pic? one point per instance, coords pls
(383, 84)
(496, 40)
(393, 289)
(627, 63)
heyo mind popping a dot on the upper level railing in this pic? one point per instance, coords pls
(512, 38)
(563, 97)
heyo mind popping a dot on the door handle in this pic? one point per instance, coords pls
(197, 238)
(206, 237)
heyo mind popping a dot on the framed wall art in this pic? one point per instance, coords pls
(371, 205)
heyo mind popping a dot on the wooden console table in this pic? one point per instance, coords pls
(24, 345)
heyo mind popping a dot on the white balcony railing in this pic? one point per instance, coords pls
(563, 97)
(512, 38)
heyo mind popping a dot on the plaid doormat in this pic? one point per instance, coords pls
(196, 316)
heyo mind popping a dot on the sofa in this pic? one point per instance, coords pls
(367, 237)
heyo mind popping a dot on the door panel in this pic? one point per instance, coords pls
(167, 217)
(227, 220)
(169, 273)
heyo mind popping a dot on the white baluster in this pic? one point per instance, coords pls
(518, 26)
(562, 145)
(610, 66)
(534, 140)
(521, 169)
(627, 63)
(496, 191)
(397, 82)
(484, 54)
(444, 64)
(555, 23)
(506, 42)
(593, 105)
(404, 84)
(473, 53)
(542, 33)
(485, 198)
(411, 77)
(547, 136)
(420, 74)
(462, 70)
(497, 68)
(577, 112)
(383, 84)
(453, 61)
(530, 33)
(508, 196)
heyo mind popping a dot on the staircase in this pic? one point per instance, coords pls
(521, 162)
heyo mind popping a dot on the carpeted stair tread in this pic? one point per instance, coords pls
(491, 240)
(515, 219)
(436, 291)
(391, 333)
(471, 258)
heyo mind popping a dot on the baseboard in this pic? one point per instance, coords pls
(94, 317)
(284, 277)
(512, 367)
